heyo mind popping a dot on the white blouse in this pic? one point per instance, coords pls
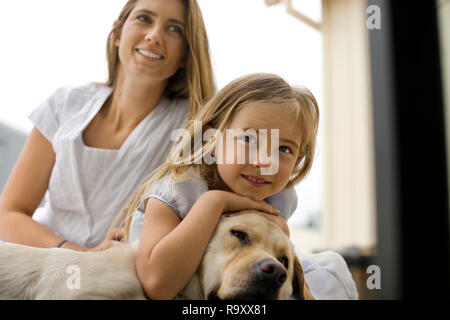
(88, 187)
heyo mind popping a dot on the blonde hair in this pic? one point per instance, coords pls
(196, 80)
(217, 113)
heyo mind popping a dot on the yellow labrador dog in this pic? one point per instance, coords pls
(248, 257)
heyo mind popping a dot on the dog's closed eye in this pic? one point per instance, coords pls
(242, 236)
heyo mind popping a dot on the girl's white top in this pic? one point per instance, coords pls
(88, 187)
(180, 197)
(326, 273)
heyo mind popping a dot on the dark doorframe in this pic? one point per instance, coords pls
(411, 172)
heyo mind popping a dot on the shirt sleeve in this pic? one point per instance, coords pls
(285, 201)
(47, 116)
(328, 276)
(180, 196)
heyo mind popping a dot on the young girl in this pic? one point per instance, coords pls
(176, 211)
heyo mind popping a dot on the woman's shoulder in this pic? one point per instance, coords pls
(83, 92)
(70, 98)
(62, 105)
(78, 96)
(76, 89)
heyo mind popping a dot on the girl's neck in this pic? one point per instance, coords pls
(132, 101)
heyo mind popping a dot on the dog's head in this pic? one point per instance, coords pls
(250, 257)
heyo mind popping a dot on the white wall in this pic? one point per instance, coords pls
(47, 44)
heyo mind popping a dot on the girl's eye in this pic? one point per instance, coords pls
(249, 139)
(285, 149)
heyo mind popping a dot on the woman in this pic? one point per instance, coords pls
(93, 145)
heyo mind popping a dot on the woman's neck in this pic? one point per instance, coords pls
(131, 102)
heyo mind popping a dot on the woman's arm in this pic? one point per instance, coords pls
(24, 192)
(170, 251)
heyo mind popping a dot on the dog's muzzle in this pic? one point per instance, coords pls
(268, 278)
(268, 275)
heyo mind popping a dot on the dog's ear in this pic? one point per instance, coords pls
(300, 289)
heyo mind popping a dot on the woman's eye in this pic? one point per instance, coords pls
(144, 18)
(285, 149)
(176, 29)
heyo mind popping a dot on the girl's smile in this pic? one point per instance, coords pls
(255, 181)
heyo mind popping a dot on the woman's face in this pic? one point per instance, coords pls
(152, 41)
(245, 134)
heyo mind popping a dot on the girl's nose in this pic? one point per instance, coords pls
(262, 161)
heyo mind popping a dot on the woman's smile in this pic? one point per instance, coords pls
(150, 54)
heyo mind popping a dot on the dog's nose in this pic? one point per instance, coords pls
(272, 270)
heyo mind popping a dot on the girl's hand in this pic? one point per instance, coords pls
(112, 239)
(233, 203)
(278, 220)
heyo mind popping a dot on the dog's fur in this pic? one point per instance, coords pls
(243, 261)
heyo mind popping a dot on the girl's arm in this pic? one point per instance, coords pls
(170, 251)
(24, 192)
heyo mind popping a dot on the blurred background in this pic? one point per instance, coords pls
(380, 70)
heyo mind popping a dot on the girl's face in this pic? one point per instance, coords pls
(152, 43)
(246, 178)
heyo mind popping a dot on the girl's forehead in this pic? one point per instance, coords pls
(264, 115)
